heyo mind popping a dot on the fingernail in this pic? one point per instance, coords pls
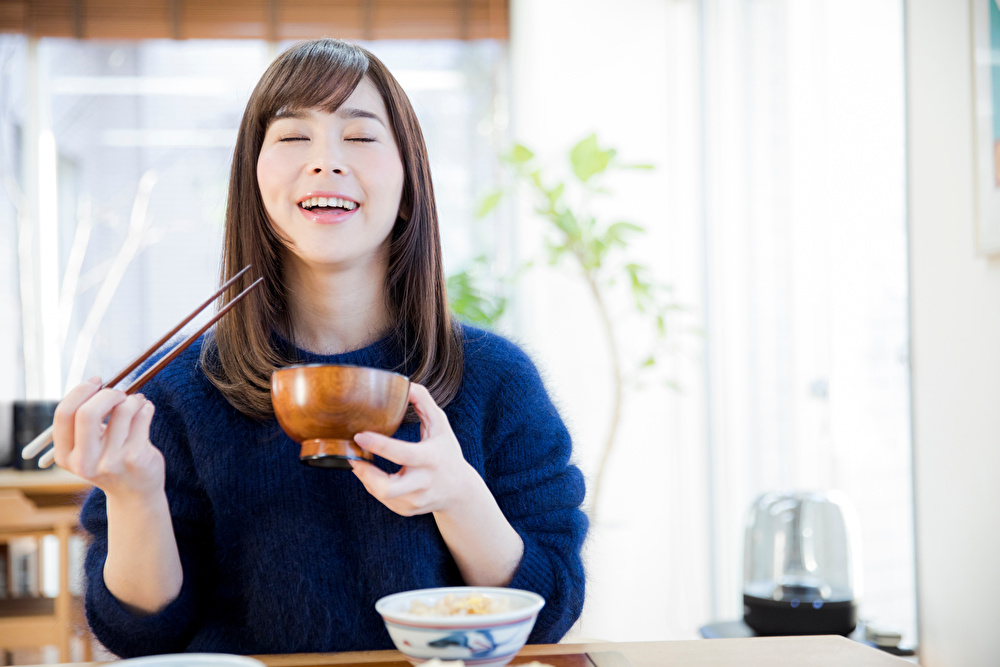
(141, 397)
(95, 380)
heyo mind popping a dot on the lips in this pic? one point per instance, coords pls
(327, 208)
(327, 216)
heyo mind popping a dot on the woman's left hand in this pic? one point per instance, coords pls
(434, 474)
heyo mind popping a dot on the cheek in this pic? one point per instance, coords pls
(265, 175)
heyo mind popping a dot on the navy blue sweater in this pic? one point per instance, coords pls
(279, 557)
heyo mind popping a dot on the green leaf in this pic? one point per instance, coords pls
(615, 234)
(556, 252)
(567, 224)
(650, 361)
(471, 304)
(555, 193)
(637, 166)
(620, 227)
(519, 154)
(489, 202)
(588, 159)
(594, 254)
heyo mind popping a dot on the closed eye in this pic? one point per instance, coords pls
(361, 139)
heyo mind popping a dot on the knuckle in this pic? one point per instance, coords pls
(129, 406)
(82, 467)
(88, 411)
(132, 459)
(108, 467)
(62, 412)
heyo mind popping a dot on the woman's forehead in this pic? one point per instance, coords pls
(364, 101)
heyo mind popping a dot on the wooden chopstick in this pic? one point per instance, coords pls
(45, 437)
(50, 456)
(123, 373)
(159, 365)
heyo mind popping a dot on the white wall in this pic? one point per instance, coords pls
(955, 315)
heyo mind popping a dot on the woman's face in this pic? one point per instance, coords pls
(331, 183)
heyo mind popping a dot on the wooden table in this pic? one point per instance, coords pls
(827, 651)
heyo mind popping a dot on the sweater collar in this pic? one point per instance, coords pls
(383, 353)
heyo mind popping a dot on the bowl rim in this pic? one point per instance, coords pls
(320, 364)
(478, 620)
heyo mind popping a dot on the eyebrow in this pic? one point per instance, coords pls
(343, 112)
(352, 112)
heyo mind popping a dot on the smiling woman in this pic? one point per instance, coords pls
(207, 533)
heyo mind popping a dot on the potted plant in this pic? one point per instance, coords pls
(594, 249)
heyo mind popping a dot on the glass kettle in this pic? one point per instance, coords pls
(801, 564)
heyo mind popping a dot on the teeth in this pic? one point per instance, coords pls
(335, 202)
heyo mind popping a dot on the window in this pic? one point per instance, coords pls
(128, 147)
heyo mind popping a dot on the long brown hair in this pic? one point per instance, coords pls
(241, 355)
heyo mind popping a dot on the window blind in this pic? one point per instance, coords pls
(257, 19)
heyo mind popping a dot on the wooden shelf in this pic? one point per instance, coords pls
(39, 621)
(46, 488)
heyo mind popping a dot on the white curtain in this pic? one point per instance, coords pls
(777, 211)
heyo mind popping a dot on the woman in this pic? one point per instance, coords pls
(207, 532)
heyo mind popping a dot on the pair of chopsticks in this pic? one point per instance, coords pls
(45, 437)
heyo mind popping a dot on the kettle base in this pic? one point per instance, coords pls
(793, 617)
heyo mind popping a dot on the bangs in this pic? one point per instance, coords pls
(316, 75)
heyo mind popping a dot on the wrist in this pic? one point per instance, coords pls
(132, 501)
(469, 491)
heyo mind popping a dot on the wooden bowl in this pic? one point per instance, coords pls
(323, 406)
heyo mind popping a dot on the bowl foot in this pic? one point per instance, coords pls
(331, 453)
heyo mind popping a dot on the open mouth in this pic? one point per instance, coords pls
(333, 204)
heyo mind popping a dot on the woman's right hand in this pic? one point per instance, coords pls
(116, 457)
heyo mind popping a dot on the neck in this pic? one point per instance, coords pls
(337, 309)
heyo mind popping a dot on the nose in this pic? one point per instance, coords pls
(327, 158)
(320, 168)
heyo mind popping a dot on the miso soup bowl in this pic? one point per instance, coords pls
(484, 640)
(323, 406)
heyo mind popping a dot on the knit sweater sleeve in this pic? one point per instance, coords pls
(121, 631)
(529, 472)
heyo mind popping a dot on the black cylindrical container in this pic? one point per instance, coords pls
(30, 419)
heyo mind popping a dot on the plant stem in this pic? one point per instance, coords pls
(616, 408)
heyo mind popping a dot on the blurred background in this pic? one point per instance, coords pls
(773, 197)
